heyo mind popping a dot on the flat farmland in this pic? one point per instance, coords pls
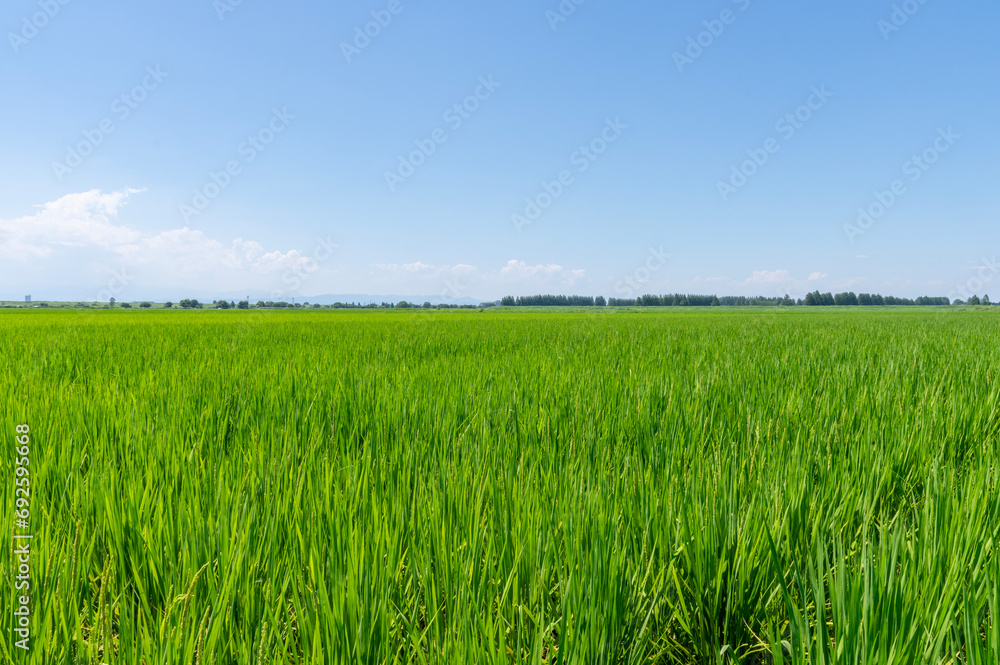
(725, 486)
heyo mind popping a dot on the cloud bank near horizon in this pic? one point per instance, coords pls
(80, 239)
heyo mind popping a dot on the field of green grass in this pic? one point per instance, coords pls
(798, 486)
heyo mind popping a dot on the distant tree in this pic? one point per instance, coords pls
(974, 300)
(817, 299)
(126, 305)
(402, 304)
(168, 305)
(244, 304)
(112, 302)
(986, 299)
(865, 300)
(599, 301)
(550, 301)
(508, 301)
(146, 305)
(427, 305)
(846, 299)
(221, 304)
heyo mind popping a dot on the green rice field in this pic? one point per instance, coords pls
(725, 486)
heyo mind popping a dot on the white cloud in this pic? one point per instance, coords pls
(78, 241)
(470, 279)
(769, 277)
(84, 226)
(519, 272)
(420, 269)
(76, 220)
(817, 275)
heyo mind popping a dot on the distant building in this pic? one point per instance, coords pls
(27, 298)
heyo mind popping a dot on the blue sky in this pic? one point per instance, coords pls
(628, 125)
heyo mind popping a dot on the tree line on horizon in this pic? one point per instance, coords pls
(814, 299)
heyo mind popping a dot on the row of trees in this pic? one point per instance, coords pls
(668, 300)
(850, 299)
(124, 305)
(974, 300)
(280, 304)
(553, 301)
(815, 299)
(402, 304)
(694, 300)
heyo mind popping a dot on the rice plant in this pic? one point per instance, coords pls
(505, 487)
